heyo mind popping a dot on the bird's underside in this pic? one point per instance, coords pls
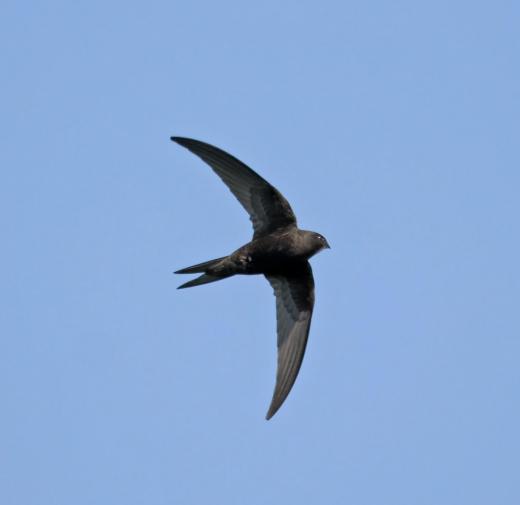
(279, 250)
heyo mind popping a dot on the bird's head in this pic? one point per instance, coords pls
(315, 242)
(322, 241)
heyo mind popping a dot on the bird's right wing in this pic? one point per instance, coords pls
(294, 303)
(267, 208)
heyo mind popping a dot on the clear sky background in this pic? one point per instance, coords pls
(391, 127)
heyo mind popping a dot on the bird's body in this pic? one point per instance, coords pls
(279, 250)
(274, 254)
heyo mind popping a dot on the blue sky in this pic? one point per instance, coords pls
(391, 127)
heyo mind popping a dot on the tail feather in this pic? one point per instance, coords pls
(200, 267)
(203, 279)
(208, 275)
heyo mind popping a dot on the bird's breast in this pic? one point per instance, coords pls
(265, 256)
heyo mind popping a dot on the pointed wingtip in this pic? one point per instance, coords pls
(183, 141)
(273, 409)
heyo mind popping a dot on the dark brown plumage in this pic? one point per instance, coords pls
(279, 250)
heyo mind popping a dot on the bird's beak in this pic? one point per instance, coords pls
(327, 245)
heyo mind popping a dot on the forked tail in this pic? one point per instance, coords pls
(207, 276)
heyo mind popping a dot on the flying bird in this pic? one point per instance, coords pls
(279, 250)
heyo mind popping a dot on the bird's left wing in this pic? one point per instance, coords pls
(294, 303)
(267, 208)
